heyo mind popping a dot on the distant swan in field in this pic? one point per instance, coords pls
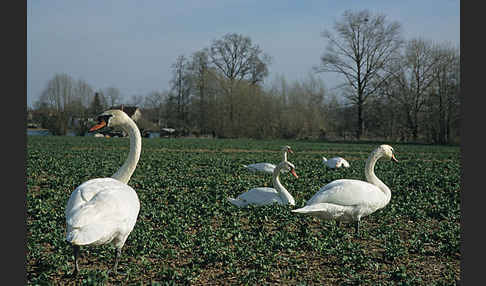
(264, 195)
(348, 200)
(336, 162)
(105, 210)
(268, 167)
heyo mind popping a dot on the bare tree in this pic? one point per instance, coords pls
(444, 102)
(237, 59)
(199, 69)
(413, 75)
(181, 85)
(112, 95)
(154, 106)
(363, 44)
(59, 92)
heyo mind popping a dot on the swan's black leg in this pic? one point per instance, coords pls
(117, 258)
(76, 255)
(338, 223)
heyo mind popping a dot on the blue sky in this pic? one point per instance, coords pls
(132, 44)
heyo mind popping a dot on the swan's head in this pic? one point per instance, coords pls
(387, 152)
(286, 166)
(111, 118)
(287, 148)
(324, 159)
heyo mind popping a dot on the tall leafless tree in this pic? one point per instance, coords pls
(413, 74)
(112, 95)
(181, 86)
(361, 46)
(444, 102)
(237, 59)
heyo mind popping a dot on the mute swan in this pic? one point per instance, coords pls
(336, 162)
(104, 210)
(268, 167)
(349, 200)
(264, 195)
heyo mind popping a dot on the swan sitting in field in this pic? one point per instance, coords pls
(336, 162)
(268, 167)
(348, 200)
(104, 210)
(265, 196)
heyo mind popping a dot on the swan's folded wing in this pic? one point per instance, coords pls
(261, 195)
(111, 210)
(346, 192)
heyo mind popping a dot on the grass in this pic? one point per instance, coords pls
(187, 232)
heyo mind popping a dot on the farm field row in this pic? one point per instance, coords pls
(188, 233)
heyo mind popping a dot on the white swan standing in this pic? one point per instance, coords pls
(268, 167)
(336, 162)
(349, 200)
(264, 195)
(104, 210)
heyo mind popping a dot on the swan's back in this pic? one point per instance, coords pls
(348, 192)
(262, 167)
(100, 210)
(257, 196)
(336, 162)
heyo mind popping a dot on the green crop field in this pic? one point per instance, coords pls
(188, 233)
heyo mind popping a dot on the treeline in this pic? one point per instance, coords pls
(394, 89)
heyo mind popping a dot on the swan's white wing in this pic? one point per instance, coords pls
(346, 192)
(261, 167)
(100, 209)
(344, 163)
(260, 196)
(340, 162)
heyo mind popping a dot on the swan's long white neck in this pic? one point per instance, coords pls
(126, 170)
(372, 178)
(285, 155)
(282, 191)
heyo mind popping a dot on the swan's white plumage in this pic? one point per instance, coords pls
(257, 196)
(344, 200)
(100, 211)
(268, 167)
(348, 192)
(336, 162)
(261, 167)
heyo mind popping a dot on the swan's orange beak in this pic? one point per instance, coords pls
(290, 150)
(294, 173)
(393, 158)
(98, 126)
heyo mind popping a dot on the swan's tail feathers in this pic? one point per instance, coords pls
(85, 235)
(326, 211)
(237, 202)
(315, 208)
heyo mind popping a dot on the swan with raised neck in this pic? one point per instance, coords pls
(349, 199)
(264, 195)
(105, 210)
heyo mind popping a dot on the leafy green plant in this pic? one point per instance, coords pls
(188, 233)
